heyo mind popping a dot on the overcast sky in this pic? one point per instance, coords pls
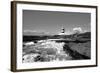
(51, 22)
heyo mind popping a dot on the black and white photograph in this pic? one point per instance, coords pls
(53, 36)
(56, 36)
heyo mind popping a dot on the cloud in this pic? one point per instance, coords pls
(34, 32)
(29, 31)
(77, 30)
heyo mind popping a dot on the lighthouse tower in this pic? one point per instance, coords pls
(62, 31)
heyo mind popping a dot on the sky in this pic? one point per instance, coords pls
(51, 22)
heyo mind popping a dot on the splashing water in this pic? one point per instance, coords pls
(45, 50)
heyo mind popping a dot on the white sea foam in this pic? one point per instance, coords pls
(47, 45)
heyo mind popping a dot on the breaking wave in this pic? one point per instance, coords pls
(44, 51)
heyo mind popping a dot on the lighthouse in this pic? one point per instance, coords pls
(62, 31)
